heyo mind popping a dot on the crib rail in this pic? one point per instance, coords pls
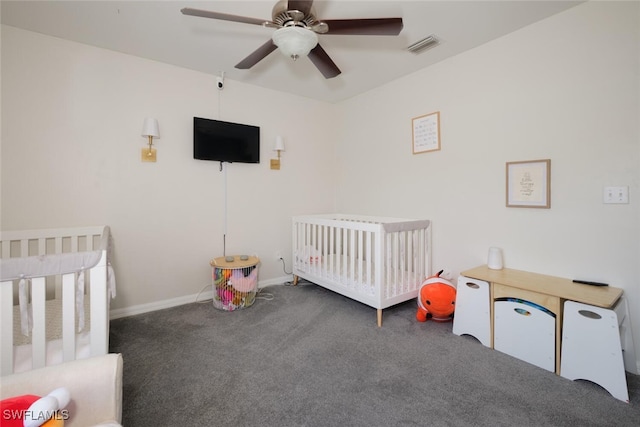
(63, 259)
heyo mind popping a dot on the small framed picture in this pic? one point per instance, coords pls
(529, 184)
(426, 133)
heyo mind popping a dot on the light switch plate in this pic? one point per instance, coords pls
(616, 195)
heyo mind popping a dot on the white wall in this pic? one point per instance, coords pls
(72, 117)
(566, 89)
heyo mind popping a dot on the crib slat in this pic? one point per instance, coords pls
(74, 243)
(369, 271)
(427, 257)
(411, 257)
(403, 262)
(378, 263)
(420, 256)
(352, 253)
(57, 245)
(89, 238)
(335, 250)
(342, 263)
(325, 248)
(99, 306)
(38, 339)
(6, 328)
(360, 258)
(386, 258)
(314, 244)
(309, 237)
(42, 246)
(24, 248)
(395, 263)
(57, 249)
(68, 317)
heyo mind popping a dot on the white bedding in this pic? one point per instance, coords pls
(53, 315)
(22, 353)
(338, 269)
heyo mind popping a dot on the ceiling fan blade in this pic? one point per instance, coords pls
(303, 6)
(321, 60)
(223, 16)
(257, 55)
(365, 27)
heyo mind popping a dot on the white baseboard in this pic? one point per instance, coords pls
(186, 299)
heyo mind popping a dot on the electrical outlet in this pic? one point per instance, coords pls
(446, 274)
(278, 255)
(616, 195)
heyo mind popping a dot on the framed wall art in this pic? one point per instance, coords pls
(529, 184)
(426, 133)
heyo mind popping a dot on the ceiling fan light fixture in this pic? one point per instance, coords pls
(295, 41)
(424, 44)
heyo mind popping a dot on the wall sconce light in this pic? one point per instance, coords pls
(278, 147)
(150, 130)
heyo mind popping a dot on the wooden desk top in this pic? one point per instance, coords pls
(600, 296)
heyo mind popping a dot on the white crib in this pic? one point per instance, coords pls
(377, 261)
(54, 296)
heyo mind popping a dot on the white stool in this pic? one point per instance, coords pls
(472, 314)
(591, 347)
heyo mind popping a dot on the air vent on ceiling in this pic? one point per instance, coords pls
(424, 44)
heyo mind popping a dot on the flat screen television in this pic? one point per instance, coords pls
(225, 141)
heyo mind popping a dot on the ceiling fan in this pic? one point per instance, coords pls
(297, 30)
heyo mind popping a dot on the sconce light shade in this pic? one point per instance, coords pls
(150, 128)
(295, 41)
(279, 145)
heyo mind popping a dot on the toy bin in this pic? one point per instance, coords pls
(235, 281)
(525, 330)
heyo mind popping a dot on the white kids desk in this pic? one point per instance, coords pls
(547, 291)
(588, 326)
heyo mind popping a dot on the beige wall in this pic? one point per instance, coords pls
(566, 88)
(72, 117)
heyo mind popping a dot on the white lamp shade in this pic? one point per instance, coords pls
(295, 41)
(150, 128)
(279, 145)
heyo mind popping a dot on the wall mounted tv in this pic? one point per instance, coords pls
(225, 141)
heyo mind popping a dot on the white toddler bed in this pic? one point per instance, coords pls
(377, 261)
(55, 288)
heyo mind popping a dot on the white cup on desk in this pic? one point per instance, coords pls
(494, 259)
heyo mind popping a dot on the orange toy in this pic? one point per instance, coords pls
(436, 299)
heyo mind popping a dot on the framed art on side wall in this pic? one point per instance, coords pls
(426, 133)
(529, 184)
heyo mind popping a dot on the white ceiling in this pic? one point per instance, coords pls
(157, 30)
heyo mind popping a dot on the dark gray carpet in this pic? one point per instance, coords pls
(310, 357)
